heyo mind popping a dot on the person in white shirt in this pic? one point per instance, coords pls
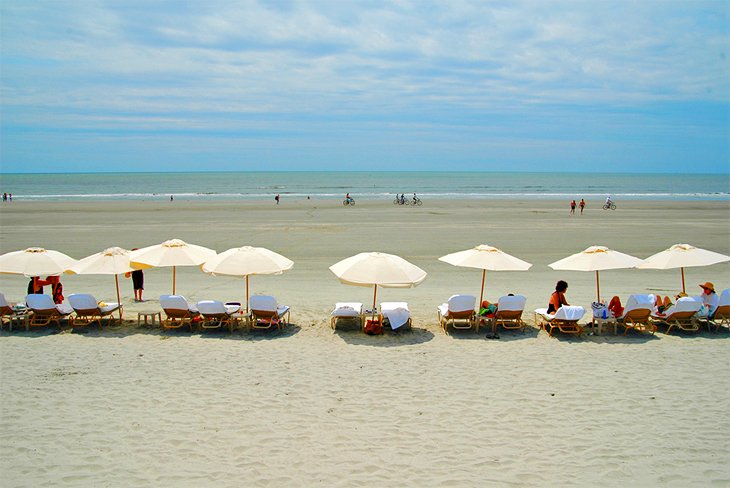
(710, 298)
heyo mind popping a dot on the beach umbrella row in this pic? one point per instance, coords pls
(364, 269)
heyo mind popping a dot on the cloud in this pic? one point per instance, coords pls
(227, 65)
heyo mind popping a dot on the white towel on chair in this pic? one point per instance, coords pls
(397, 316)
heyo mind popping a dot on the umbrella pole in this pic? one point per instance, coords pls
(481, 297)
(683, 289)
(246, 293)
(173, 279)
(598, 288)
(119, 300)
(375, 294)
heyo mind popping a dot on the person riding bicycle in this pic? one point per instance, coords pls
(415, 198)
(348, 198)
(402, 198)
(609, 202)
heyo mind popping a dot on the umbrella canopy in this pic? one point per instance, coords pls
(486, 257)
(112, 261)
(174, 252)
(596, 258)
(683, 256)
(378, 269)
(247, 261)
(35, 261)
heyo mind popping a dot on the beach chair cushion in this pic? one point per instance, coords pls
(511, 303)
(397, 313)
(266, 303)
(456, 304)
(44, 303)
(347, 309)
(724, 298)
(216, 307)
(639, 302)
(176, 302)
(84, 301)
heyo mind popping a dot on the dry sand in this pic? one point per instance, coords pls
(129, 406)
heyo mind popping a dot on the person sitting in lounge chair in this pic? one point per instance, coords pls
(557, 299)
(710, 299)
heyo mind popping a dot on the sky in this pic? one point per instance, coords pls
(253, 85)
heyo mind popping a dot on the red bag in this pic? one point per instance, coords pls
(373, 327)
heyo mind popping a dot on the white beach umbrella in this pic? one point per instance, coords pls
(683, 256)
(35, 261)
(174, 253)
(378, 269)
(246, 261)
(486, 257)
(596, 258)
(111, 261)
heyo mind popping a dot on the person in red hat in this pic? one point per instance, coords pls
(710, 298)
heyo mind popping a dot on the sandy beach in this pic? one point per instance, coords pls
(130, 406)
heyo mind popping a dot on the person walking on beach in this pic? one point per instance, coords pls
(572, 207)
(277, 198)
(5, 197)
(582, 205)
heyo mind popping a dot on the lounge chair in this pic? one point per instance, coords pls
(178, 312)
(458, 312)
(722, 312)
(45, 311)
(347, 310)
(509, 312)
(266, 313)
(6, 311)
(216, 314)
(680, 315)
(565, 319)
(637, 314)
(89, 311)
(397, 314)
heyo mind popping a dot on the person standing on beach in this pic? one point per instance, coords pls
(277, 198)
(5, 197)
(137, 282)
(582, 205)
(572, 207)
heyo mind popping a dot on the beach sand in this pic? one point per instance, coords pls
(130, 406)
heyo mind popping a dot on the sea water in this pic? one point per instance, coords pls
(254, 186)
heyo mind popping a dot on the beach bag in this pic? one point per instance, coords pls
(600, 310)
(373, 327)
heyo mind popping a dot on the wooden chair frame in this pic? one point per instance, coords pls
(509, 320)
(466, 317)
(269, 319)
(639, 320)
(176, 318)
(682, 320)
(89, 316)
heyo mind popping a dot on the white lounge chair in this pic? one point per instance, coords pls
(637, 314)
(722, 313)
(178, 312)
(397, 314)
(347, 310)
(458, 312)
(217, 314)
(45, 311)
(266, 313)
(565, 319)
(680, 315)
(89, 311)
(509, 312)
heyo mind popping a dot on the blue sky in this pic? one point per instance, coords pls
(348, 85)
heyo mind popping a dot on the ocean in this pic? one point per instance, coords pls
(363, 185)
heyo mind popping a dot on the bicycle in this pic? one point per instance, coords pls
(611, 206)
(414, 201)
(348, 201)
(398, 201)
